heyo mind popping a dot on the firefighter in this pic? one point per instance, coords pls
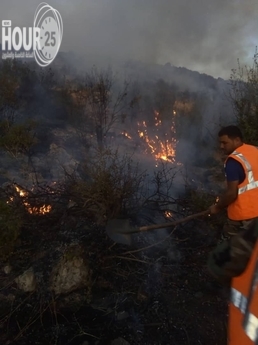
(241, 170)
(234, 262)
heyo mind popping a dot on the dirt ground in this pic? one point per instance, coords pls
(155, 292)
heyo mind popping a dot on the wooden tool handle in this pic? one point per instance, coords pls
(176, 222)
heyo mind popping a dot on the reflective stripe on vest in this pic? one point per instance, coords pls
(252, 184)
(239, 300)
(251, 327)
(251, 324)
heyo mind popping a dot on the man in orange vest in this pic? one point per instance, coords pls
(241, 169)
(235, 261)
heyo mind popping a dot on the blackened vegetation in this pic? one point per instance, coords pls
(155, 292)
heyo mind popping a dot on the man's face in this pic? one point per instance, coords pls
(228, 145)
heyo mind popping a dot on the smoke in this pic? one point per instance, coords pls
(207, 36)
(203, 36)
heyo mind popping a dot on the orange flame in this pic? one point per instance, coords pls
(168, 214)
(32, 210)
(161, 149)
(126, 135)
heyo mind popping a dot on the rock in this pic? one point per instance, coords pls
(27, 281)
(71, 273)
(119, 341)
(65, 161)
(7, 269)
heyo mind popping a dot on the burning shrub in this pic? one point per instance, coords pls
(10, 224)
(39, 208)
(108, 185)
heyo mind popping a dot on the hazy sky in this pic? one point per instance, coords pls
(203, 35)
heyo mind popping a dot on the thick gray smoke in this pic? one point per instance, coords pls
(206, 36)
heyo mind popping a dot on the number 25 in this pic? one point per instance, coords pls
(53, 39)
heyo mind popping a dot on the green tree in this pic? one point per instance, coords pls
(244, 99)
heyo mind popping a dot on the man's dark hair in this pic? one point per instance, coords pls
(232, 132)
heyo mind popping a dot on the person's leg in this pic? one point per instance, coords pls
(230, 228)
(233, 227)
(229, 257)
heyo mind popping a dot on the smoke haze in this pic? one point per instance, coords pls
(206, 36)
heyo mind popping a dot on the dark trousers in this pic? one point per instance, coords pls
(231, 255)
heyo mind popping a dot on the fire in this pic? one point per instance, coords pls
(159, 140)
(126, 135)
(168, 214)
(21, 192)
(38, 210)
(167, 153)
(31, 209)
(11, 199)
(160, 148)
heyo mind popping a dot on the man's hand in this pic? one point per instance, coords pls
(214, 209)
(226, 199)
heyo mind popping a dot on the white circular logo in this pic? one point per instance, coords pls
(50, 23)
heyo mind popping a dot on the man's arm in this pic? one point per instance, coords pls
(235, 175)
(229, 196)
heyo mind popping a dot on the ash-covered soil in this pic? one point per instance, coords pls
(155, 292)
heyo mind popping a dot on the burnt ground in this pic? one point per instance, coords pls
(158, 295)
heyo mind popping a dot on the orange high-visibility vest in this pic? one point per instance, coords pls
(243, 308)
(245, 206)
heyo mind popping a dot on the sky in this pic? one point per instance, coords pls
(207, 36)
